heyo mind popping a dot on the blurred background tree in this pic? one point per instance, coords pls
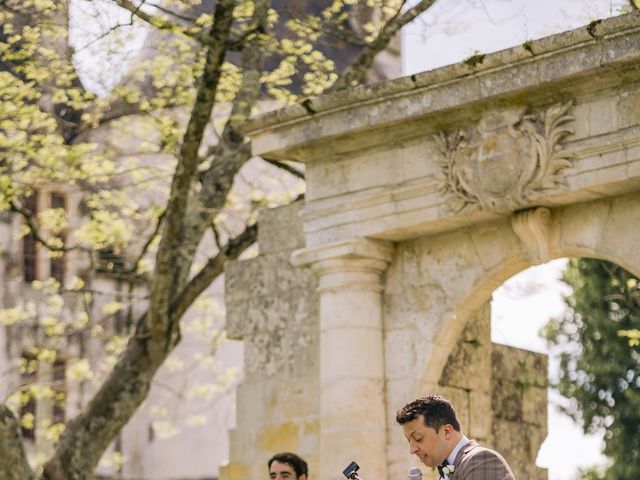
(600, 359)
(129, 195)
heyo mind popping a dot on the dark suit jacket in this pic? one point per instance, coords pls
(474, 462)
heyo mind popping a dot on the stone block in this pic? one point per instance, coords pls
(310, 441)
(633, 161)
(235, 471)
(494, 242)
(519, 366)
(602, 161)
(239, 438)
(534, 406)
(338, 447)
(247, 278)
(506, 400)
(456, 274)
(296, 398)
(459, 398)
(339, 360)
(399, 392)
(517, 77)
(580, 231)
(399, 347)
(621, 48)
(480, 418)
(338, 309)
(602, 181)
(247, 412)
(619, 237)
(454, 93)
(603, 116)
(413, 158)
(571, 62)
(289, 278)
(515, 443)
(469, 364)
(278, 438)
(629, 106)
(358, 402)
(281, 229)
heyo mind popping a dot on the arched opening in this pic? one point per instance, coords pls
(510, 373)
(586, 309)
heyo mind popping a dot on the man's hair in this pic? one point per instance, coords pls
(294, 461)
(436, 411)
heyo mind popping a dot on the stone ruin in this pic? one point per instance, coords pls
(424, 194)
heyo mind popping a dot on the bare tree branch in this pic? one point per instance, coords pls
(232, 150)
(214, 268)
(172, 13)
(356, 72)
(287, 168)
(33, 227)
(161, 23)
(87, 436)
(166, 274)
(147, 244)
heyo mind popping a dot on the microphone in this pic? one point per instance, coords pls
(415, 473)
(351, 472)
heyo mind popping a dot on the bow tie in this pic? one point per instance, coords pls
(440, 468)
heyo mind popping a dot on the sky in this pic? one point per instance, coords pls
(449, 32)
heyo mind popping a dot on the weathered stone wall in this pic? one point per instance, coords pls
(272, 306)
(519, 405)
(433, 190)
(499, 392)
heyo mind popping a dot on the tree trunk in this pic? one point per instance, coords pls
(13, 460)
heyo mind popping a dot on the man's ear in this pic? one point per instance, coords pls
(303, 477)
(448, 428)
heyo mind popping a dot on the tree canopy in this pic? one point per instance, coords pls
(600, 361)
(154, 165)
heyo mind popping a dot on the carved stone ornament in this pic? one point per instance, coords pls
(533, 229)
(506, 168)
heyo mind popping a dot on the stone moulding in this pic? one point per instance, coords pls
(506, 168)
(532, 227)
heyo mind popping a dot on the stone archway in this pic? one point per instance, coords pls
(488, 255)
(458, 286)
(424, 194)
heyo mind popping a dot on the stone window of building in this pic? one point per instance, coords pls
(31, 265)
(57, 264)
(56, 380)
(28, 402)
(30, 245)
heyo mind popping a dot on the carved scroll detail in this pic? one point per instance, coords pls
(532, 228)
(507, 168)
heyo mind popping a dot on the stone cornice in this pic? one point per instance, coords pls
(301, 132)
(352, 249)
(355, 264)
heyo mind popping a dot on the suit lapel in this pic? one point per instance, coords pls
(463, 451)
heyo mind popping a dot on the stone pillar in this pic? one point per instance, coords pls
(352, 403)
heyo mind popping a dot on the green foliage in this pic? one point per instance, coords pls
(146, 160)
(600, 367)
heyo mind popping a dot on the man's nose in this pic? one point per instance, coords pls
(413, 448)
